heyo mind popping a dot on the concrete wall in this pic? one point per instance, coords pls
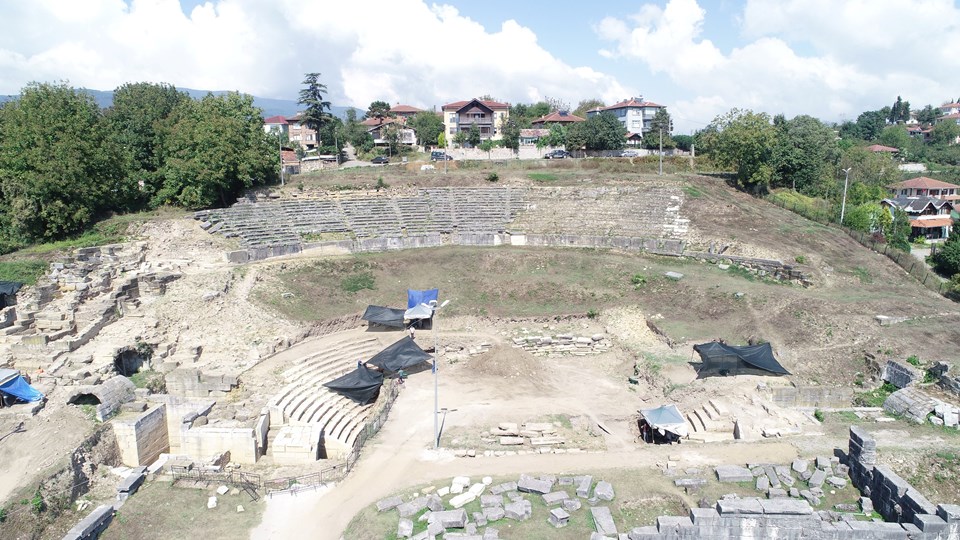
(142, 438)
(204, 442)
(812, 396)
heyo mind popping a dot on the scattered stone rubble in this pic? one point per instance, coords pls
(442, 509)
(916, 405)
(553, 346)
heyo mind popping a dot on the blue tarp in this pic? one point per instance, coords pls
(415, 298)
(21, 389)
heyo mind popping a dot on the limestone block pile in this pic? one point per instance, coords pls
(802, 479)
(915, 405)
(554, 346)
(535, 434)
(443, 511)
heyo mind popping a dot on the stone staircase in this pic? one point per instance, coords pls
(710, 422)
(304, 401)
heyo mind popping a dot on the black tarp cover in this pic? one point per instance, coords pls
(731, 358)
(401, 355)
(361, 385)
(384, 315)
(8, 289)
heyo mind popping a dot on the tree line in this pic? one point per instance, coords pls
(65, 162)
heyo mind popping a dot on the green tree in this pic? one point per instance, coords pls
(898, 233)
(486, 146)
(473, 135)
(866, 217)
(928, 115)
(557, 136)
(460, 138)
(871, 123)
(586, 105)
(213, 149)
(684, 142)
(895, 136)
(428, 126)
(947, 259)
(742, 141)
(803, 155)
(138, 109)
(442, 140)
(870, 168)
(661, 123)
(599, 132)
(899, 112)
(510, 133)
(317, 111)
(945, 133)
(59, 167)
(378, 110)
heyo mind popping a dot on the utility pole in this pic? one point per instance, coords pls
(693, 150)
(661, 151)
(843, 205)
(280, 146)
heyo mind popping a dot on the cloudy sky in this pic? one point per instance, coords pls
(700, 58)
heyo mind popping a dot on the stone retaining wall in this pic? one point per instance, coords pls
(812, 396)
(142, 438)
(900, 375)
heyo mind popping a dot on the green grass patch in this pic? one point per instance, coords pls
(693, 191)
(542, 176)
(358, 282)
(874, 398)
(741, 272)
(862, 274)
(23, 270)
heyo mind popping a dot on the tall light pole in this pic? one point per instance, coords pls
(661, 151)
(843, 204)
(436, 358)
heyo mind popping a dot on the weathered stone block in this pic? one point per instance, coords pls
(389, 503)
(528, 484)
(603, 520)
(450, 519)
(733, 473)
(558, 517)
(603, 491)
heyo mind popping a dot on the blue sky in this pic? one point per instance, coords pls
(824, 58)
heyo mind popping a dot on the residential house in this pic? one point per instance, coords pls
(275, 124)
(635, 114)
(920, 132)
(488, 116)
(949, 108)
(300, 134)
(929, 217)
(289, 161)
(378, 127)
(879, 149)
(529, 137)
(922, 186)
(563, 118)
(404, 111)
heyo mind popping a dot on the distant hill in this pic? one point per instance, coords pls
(271, 107)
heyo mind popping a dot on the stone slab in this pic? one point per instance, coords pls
(733, 473)
(603, 520)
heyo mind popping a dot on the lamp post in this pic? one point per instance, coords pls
(843, 204)
(436, 357)
(661, 152)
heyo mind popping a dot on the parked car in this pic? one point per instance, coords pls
(440, 156)
(629, 153)
(380, 160)
(556, 154)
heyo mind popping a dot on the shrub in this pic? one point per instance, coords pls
(818, 414)
(913, 360)
(592, 313)
(638, 280)
(800, 259)
(381, 184)
(493, 177)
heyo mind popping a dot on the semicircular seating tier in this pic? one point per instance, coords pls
(550, 215)
(304, 401)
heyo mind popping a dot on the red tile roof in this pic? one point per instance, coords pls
(559, 118)
(534, 132)
(952, 116)
(950, 106)
(882, 148)
(922, 182)
(372, 122)
(456, 105)
(275, 120)
(930, 223)
(632, 102)
(404, 109)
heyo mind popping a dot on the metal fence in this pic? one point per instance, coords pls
(913, 266)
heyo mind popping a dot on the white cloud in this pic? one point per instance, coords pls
(819, 57)
(409, 52)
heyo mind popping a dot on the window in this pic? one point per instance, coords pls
(453, 131)
(453, 117)
(636, 123)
